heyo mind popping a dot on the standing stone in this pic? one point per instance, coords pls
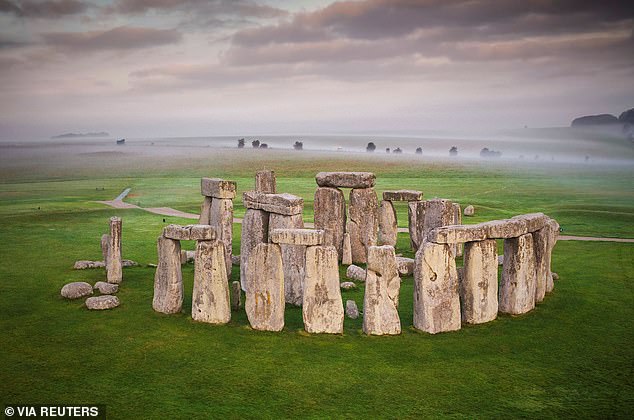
(436, 299)
(322, 307)
(346, 257)
(517, 288)
(236, 296)
(479, 282)
(265, 182)
(293, 257)
(114, 267)
(352, 311)
(388, 228)
(416, 221)
(265, 288)
(255, 230)
(346, 179)
(364, 222)
(210, 298)
(541, 240)
(105, 247)
(221, 217)
(457, 220)
(380, 303)
(552, 241)
(205, 211)
(438, 212)
(330, 215)
(168, 280)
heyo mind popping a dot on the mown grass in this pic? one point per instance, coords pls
(571, 357)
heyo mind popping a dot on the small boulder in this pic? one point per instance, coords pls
(355, 272)
(555, 276)
(347, 285)
(102, 302)
(500, 259)
(235, 260)
(76, 290)
(352, 311)
(469, 210)
(84, 264)
(106, 288)
(129, 263)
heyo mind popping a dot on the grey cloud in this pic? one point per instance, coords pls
(227, 7)
(121, 38)
(44, 9)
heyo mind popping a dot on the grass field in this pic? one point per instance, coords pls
(570, 357)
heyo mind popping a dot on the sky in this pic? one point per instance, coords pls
(163, 68)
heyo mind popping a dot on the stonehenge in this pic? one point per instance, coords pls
(210, 297)
(265, 182)
(265, 301)
(382, 287)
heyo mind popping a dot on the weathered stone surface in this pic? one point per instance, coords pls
(457, 220)
(235, 260)
(168, 279)
(210, 297)
(236, 296)
(218, 188)
(105, 247)
(402, 195)
(416, 222)
(380, 302)
(285, 204)
(436, 299)
(114, 267)
(346, 179)
(85, 264)
(330, 215)
(364, 222)
(76, 290)
(517, 288)
(542, 262)
(355, 272)
(221, 218)
(352, 311)
(102, 302)
(534, 221)
(129, 263)
(455, 234)
(469, 210)
(187, 256)
(438, 212)
(205, 211)
(265, 288)
(190, 232)
(265, 182)
(306, 237)
(553, 230)
(293, 257)
(500, 260)
(504, 229)
(388, 228)
(479, 282)
(255, 230)
(347, 285)
(346, 257)
(106, 288)
(405, 266)
(322, 307)
(555, 276)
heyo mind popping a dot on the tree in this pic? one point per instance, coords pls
(240, 143)
(255, 144)
(486, 153)
(453, 151)
(264, 146)
(397, 150)
(298, 145)
(387, 150)
(419, 150)
(371, 147)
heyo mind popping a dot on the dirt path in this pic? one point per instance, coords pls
(118, 203)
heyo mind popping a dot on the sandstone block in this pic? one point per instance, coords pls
(352, 311)
(355, 273)
(346, 179)
(85, 264)
(293, 257)
(534, 221)
(388, 228)
(265, 182)
(322, 307)
(210, 296)
(380, 302)
(457, 220)
(405, 266)
(285, 204)
(105, 247)
(106, 288)
(190, 232)
(416, 222)
(469, 210)
(479, 282)
(436, 298)
(205, 211)
(255, 230)
(517, 288)
(456, 234)
(505, 229)
(364, 222)
(76, 290)
(330, 215)
(114, 264)
(221, 219)
(347, 285)
(168, 279)
(236, 296)
(102, 302)
(265, 288)
(553, 234)
(438, 212)
(218, 188)
(306, 237)
(346, 254)
(402, 195)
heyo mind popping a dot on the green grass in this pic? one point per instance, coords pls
(570, 357)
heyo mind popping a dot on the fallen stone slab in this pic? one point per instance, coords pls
(285, 204)
(405, 266)
(355, 272)
(346, 179)
(469, 210)
(190, 232)
(322, 307)
(265, 181)
(352, 311)
(85, 264)
(402, 195)
(106, 288)
(307, 237)
(218, 188)
(76, 290)
(103, 302)
(347, 285)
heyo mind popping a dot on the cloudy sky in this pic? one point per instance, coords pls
(240, 67)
